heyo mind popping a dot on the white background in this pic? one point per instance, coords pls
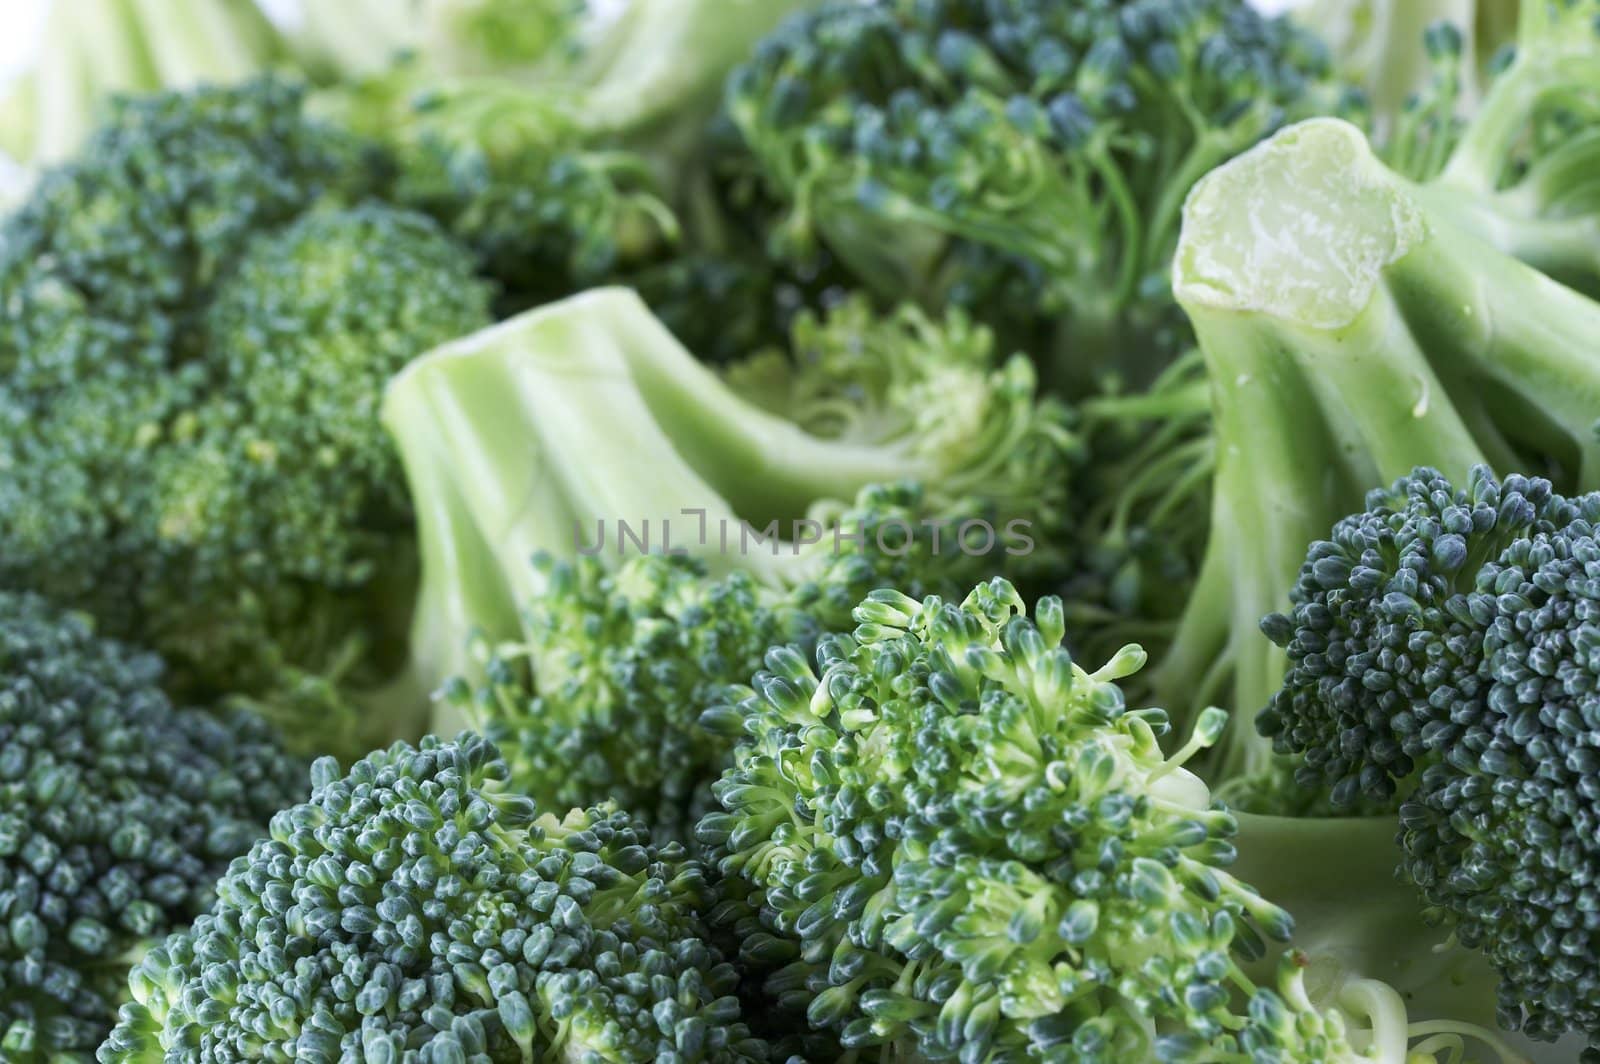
(19, 25)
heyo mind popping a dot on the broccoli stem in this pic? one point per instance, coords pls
(663, 62)
(94, 49)
(353, 37)
(534, 434)
(1377, 959)
(194, 42)
(1351, 334)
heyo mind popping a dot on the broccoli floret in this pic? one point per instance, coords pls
(1439, 647)
(417, 908)
(93, 50)
(955, 148)
(548, 431)
(1352, 331)
(198, 327)
(117, 813)
(958, 844)
(602, 693)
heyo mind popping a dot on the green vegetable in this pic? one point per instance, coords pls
(93, 50)
(1351, 331)
(542, 436)
(117, 813)
(1028, 158)
(958, 844)
(1439, 645)
(415, 908)
(559, 144)
(1390, 47)
(601, 692)
(355, 38)
(202, 310)
(1514, 169)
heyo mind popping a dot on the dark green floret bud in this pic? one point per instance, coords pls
(118, 812)
(416, 908)
(1384, 641)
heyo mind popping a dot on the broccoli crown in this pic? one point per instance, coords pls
(416, 909)
(1055, 141)
(117, 814)
(1440, 644)
(1385, 639)
(198, 331)
(959, 843)
(603, 693)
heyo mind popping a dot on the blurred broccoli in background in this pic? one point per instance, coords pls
(93, 50)
(117, 813)
(202, 310)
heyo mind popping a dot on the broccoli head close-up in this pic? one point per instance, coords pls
(800, 531)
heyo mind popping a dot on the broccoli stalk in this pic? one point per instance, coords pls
(94, 49)
(353, 38)
(1361, 940)
(1518, 173)
(1351, 331)
(1380, 45)
(1524, 171)
(541, 434)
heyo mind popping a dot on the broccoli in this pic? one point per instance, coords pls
(118, 811)
(1390, 47)
(1512, 173)
(958, 844)
(889, 448)
(601, 693)
(96, 49)
(201, 312)
(1439, 648)
(516, 175)
(1352, 329)
(1523, 169)
(356, 38)
(1023, 156)
(551, 430)
(637, 67)
(416, 909)
(1144, 514)
(567, 171)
